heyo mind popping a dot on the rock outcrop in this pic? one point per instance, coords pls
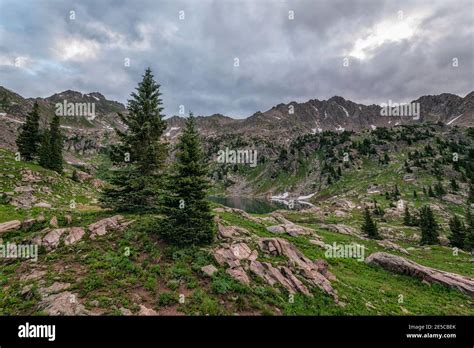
(392, 246)
(400, 265)
(10, 226)
(315, 272)
(103, 226)
(291, 229)
(64, 303)
(53, 237)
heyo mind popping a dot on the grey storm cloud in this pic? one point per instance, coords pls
(368, 51)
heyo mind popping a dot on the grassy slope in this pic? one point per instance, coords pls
(159, 274)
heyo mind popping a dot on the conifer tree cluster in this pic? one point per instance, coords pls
(28, 138)
(140, 182)
(369, 227)
(50, 151)
(47, 147)
(429, 226)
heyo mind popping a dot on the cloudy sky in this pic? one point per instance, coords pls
(369, 51)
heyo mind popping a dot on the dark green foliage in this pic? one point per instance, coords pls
(140, 155)
(4, 103)
(407, 220)
(439, 189)
(131, 191)
(56, 145)
(458, 232)
(188, 219)
(29, 137)
(430, 191)
(429, 226)
(369, 227)
(44, 149)
(74, 175)
(470, 197)
(454, 185)
(50, 152)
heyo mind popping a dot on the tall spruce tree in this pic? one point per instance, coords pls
(141, 153)
(188, 219)
(29, 137)
(407, 217)
(429, 226)
(369, 227)
(458, 232)
(56, 145)
(45, 150)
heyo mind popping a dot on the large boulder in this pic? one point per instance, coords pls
(75, 235)
(239, 274)
(291, 229)
(400, 265)
(209, 270)
(103, 226)
(64, 303)
(232, 254)
(53, 237)
(392, 246)
(10, 226)
(144, 311)
(315, 272)
(282, 275)
(343, 229)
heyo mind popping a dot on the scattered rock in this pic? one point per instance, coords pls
(103, 226)
(227, 232)
(64, 303)
(209, 270)
(400, 265)
(125, 311)
(233, 254)
(34, 275)
(282, 276)
(340, 213)
(29, 176)
(52, 238)
(392, 246)
(68, 219)
(54, 222)
(317, 242)
(144, 311)
(26, 224)
(10, 226)
(75, 235)
(23, 200)
(315, 272)
(53, 289)
(26, 291)
(291, 229)
(239, 274)
(43, 205)
(23, 189)
(343, 229)
(455, 199)
(369, 306)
